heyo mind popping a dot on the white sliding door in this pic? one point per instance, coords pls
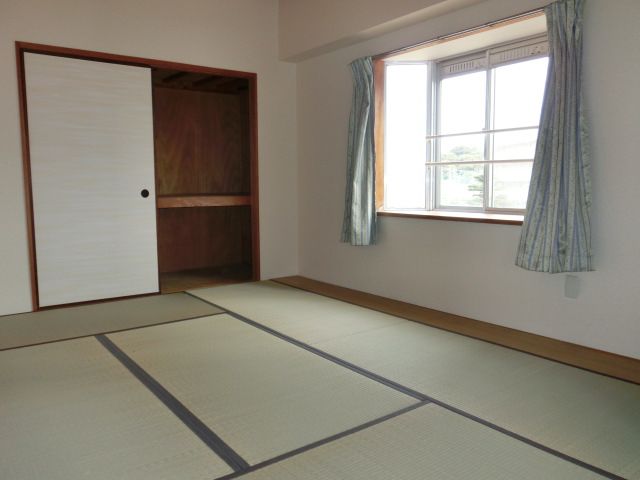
(91, 147)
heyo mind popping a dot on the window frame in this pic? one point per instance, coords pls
(490, 57)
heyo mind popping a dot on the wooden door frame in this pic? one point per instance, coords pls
(252, 78)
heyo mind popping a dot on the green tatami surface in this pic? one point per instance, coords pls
(263, 396)
(588, 416)
(428, 443)
(70, 322)
(70, 410)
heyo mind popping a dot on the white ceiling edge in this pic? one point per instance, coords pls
(495, 35)
(419, 16)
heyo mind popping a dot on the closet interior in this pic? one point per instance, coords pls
(204, 179)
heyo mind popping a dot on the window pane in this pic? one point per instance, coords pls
(519, 89)
(460, 185)
(405, 131)
(511, 185)
(518, 145)
(463, 148)
(462, 103)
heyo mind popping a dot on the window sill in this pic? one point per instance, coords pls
(495, 218)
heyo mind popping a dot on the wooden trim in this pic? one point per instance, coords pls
(255, 183)
(378, 89)
(181, 201)
(26, 167)
(99, 300)
(155, 181)
(591, 359)
(127, 60)
(463, 33)
(456, 217)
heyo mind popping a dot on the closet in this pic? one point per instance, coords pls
(203, 178)
(141, 175)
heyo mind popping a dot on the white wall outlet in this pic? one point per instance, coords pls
(571, 286)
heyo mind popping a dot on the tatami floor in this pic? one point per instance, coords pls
(265, 381)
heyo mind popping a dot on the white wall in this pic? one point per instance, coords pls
(467, 268)
(238, 34)
(310, 27)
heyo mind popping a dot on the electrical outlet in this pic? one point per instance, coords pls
(571, 286)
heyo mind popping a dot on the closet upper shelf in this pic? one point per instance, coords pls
(182, 201)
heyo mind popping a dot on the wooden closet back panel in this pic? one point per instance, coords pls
(191, 238)
(200, 142)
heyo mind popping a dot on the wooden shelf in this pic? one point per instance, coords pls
(184, 201)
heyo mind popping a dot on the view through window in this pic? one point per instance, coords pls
(460, 133)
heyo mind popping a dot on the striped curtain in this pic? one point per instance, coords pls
(359, 223)
(556, 233)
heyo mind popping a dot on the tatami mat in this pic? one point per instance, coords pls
(302, 315)
(261, 395)
(71, 322)
(426, 443)
(70, 410)
(588, 416)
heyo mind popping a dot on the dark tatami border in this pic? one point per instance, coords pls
(324, 441)
(213, 441)
(208, 436)
(418, 395)
(201, 430)
(90, 335)
(586, 358)
(373, 376)
(233, 459)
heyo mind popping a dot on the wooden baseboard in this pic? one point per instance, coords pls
(599, 361)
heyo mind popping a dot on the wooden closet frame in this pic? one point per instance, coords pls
(252, 78)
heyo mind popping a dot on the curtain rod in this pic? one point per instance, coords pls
(451, 36)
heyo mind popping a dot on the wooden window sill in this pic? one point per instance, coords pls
(499, 219)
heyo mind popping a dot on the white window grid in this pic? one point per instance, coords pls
(483, 60)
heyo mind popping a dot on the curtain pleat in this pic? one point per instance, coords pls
(556, 233)
(359, 223)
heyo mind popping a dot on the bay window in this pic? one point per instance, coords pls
(460, 132)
